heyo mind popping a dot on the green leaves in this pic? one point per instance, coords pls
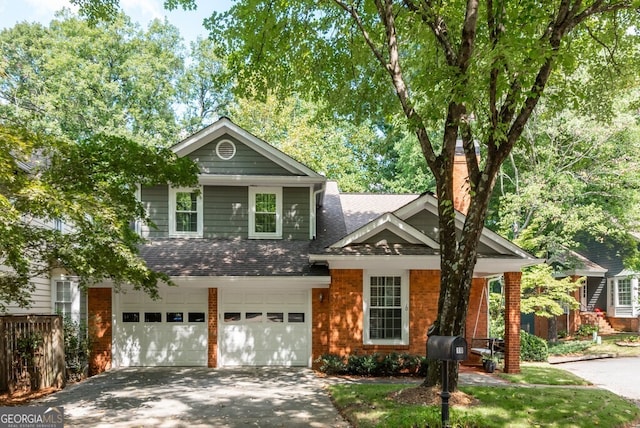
(91, 187)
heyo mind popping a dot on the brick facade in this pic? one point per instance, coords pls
(320, 305)
(212, 350)
(512, 321)
(100, 329)
(338, 322)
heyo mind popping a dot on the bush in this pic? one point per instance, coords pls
(586, 330)
(76, 349)
(532, 348)
(392, 364)
(332, 364)
(569, 347)
(364, 365)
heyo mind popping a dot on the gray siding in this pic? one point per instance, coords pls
(295, 213)
(226, 212)
(40, 298)
(386, 235)
(245, 162)
(156, 203)
(427, 223)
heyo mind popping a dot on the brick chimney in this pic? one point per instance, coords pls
(461, 186)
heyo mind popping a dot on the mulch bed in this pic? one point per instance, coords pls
(22, 397)
(431, 397)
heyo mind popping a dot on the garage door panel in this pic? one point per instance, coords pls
(264, 328)
(140, 342)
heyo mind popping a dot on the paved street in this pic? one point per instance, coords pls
(618, 375)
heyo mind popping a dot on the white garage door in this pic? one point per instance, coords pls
(259, 328)
(171, 331)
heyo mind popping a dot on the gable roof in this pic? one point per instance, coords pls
(224, 126)
(393, 234)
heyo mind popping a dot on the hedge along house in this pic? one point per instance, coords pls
(275, 266)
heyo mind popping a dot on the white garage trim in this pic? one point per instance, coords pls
(258, 327)
(170, 331)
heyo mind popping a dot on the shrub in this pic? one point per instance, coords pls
(532, 348)
(569, 347)
(364, 365)
(586, 330)
(332, 364)
(76, 349)
(392, 364)
(409, 364)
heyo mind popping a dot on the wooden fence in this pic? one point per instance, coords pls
(31, 352)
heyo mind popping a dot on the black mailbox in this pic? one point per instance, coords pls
(448, 348)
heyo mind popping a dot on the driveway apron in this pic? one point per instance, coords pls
(198, 397)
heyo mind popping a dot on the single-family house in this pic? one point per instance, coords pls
(609, 297)
(273, 265)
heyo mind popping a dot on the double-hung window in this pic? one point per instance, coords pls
(68, 299)
(386, 320)
(64, 298)
(185, 212)
(624, 292)
(265, 219)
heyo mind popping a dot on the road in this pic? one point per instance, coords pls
(618, 375)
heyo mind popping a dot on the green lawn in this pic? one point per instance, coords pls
(543, 374)
(368, 405)
(585, 346)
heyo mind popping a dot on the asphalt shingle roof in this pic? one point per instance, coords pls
(226, 257)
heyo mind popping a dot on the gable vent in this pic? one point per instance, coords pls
(225, 150)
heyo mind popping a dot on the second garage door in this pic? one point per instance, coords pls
(259, 328)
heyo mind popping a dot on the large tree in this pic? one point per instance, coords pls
(86, 113)
(472, 71)
(573, 177)
(72, 80)
(89, 186)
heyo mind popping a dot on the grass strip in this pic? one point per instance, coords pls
(369, 405)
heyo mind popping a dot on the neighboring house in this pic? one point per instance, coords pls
(57, 293)
(274, 266)
(609, 297)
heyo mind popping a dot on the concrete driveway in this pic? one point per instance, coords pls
(618, 375)
(198, 397)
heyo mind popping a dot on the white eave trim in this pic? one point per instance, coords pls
(389, 222)
(265, 282)
(485, 267)
(259, 180)
(240, 281)
(225, 126)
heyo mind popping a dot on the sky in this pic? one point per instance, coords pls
(142, 11)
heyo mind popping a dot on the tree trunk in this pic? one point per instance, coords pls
(553, 330)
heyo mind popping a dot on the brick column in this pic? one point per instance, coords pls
(212, 352)
(512, 321)
(99, 308)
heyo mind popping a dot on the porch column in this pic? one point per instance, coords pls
(512, 321)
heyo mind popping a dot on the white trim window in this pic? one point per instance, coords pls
(623, 291)
(386, 309)
(265, 208)
(66, 299)
(185, 212)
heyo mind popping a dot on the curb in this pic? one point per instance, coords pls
(571, 359)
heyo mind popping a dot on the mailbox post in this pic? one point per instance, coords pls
(446, 349)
